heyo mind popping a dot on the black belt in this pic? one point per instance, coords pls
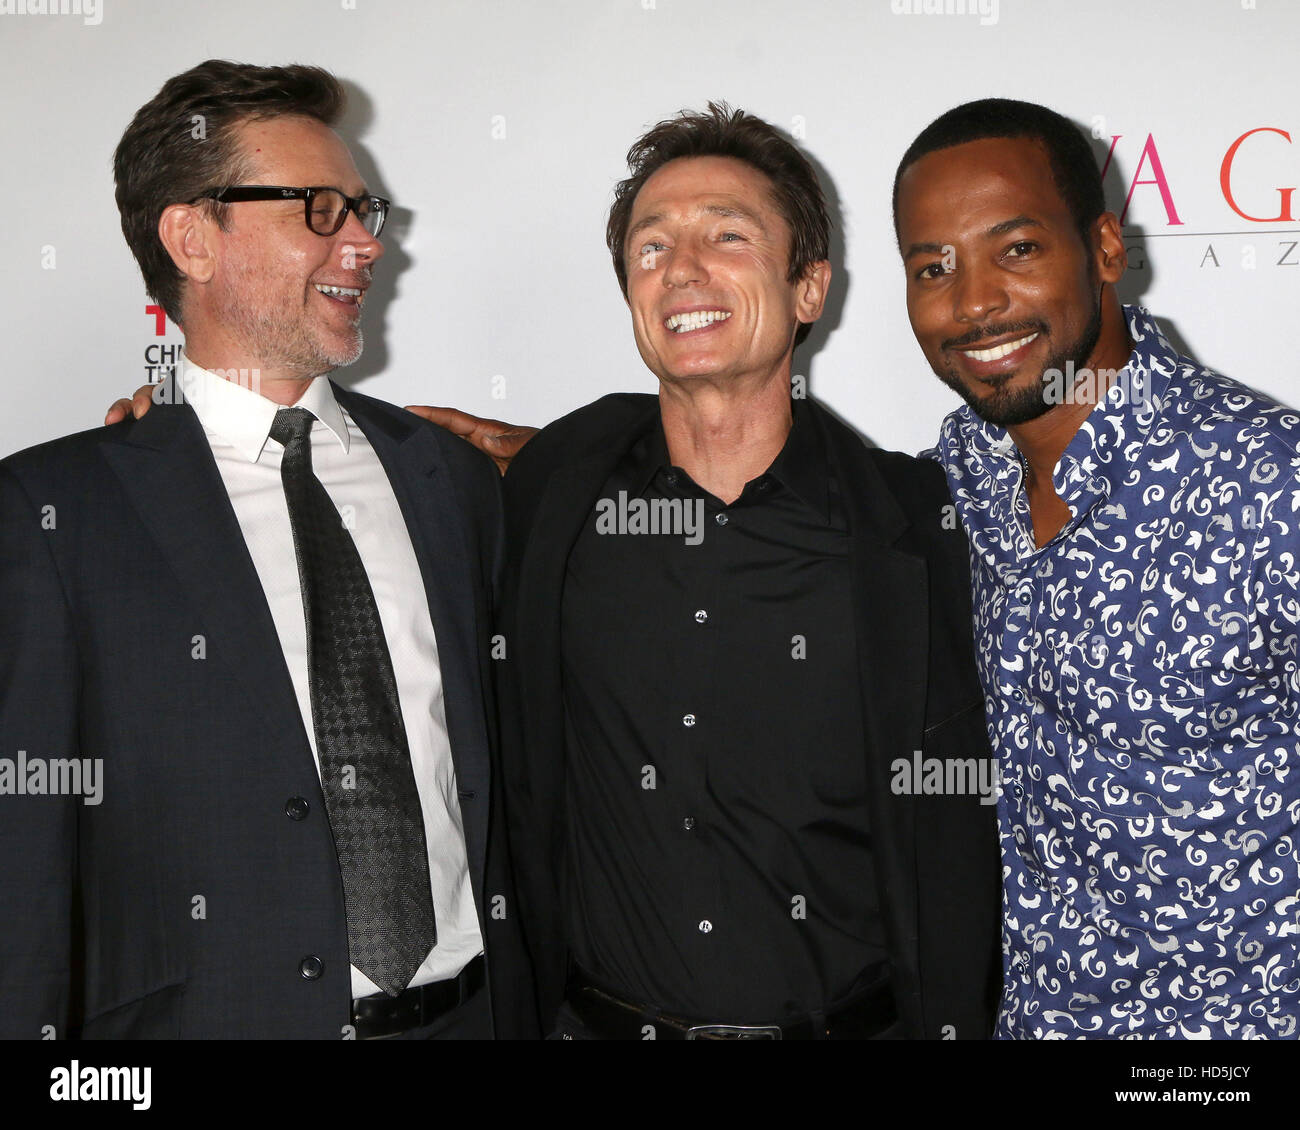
(863, 1015)
(382, 1015)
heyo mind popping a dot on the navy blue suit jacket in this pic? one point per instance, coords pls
(133, 629)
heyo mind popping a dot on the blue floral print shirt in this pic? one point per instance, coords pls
(1143, 698)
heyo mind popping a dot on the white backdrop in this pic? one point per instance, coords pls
(498, 127)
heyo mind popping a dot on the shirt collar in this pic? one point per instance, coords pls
(648, 456)
(242, 417)
(1101, 452)
(801, 465)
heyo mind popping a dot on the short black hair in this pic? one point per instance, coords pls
(1074, 168)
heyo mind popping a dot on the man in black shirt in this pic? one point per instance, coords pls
(733, 835)
(726, 622)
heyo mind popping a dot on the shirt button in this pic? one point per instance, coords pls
(701, 616)
(688, 719)
(1025, 598)
(672, 478)
(706, 926)
(296, 808)
(721, 519)
(311, 967)
(688, 823)
(764, 485)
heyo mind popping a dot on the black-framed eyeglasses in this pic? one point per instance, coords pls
(326, 208)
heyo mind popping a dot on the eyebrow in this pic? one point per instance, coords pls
(1011, 225)
(996, 230)
(365, 191)
(728, 211)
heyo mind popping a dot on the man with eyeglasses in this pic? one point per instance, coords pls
(258, 618)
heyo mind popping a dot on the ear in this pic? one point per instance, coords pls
(810, 291)
(187, 232)
(1109, 252)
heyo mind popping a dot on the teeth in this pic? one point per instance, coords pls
(999, 351)
(695, 320)
(338, 291)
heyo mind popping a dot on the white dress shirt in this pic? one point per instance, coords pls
(237, 423)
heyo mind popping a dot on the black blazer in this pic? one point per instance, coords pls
(133, 628)
(936, 856)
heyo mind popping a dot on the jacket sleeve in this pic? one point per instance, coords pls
(38, 721)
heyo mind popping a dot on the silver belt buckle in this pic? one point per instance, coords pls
(734, 1032)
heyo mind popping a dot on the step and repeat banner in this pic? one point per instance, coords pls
(498, 128)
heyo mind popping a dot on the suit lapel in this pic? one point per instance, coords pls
(168, 472)
(891, 615)
(567, 500)
(425, 492)
(566, 503)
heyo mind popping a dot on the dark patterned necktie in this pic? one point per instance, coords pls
(365, 765)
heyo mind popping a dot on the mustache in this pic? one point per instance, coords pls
(984, 333)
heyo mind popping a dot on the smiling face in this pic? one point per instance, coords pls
(282, 298)
(708, 254)
(1001, 288)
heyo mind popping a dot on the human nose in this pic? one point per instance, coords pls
(357, 247)
(979, 293)
(685, 266)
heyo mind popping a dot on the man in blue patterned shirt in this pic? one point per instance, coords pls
(1136, 566)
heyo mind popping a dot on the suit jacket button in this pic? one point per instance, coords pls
(296, 808)
(311, 967)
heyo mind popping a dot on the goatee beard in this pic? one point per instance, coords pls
(1007, 408)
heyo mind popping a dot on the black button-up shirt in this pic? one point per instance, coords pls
(720, 855)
